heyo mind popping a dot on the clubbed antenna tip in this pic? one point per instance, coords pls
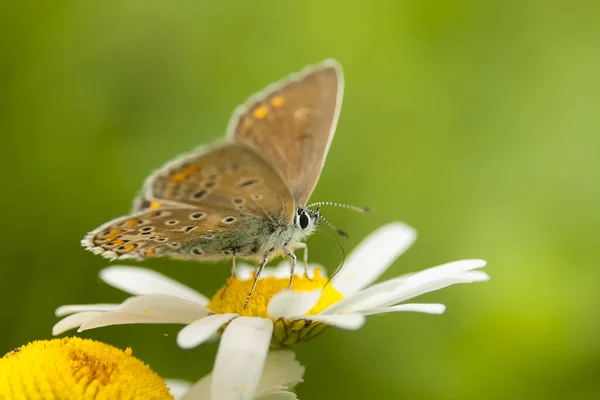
(342, 233)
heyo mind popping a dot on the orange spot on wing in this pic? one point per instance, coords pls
(111, 238)
(116, 231)
(183, 175)
(277, 101)
(129, 247)
(154, 204)
(191, 169)
(178, 177)
(261, 112)
(150, 252)
(132, 222)
(118, 243)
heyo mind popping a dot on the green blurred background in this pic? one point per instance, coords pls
(476, 122)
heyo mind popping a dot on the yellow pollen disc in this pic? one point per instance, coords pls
(232, 301)
(75, 368)
(261, 112)
(277, 101)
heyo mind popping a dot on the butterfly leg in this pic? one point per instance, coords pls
(230, 278)
(305, 256)
(258, 271)
(293, 259)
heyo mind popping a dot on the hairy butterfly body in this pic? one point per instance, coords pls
(245, 197)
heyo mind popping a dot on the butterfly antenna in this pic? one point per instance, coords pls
(341, 205)
(332, 226)
(343, 256)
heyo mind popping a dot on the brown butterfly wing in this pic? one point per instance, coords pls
(205, 232)
(219, 203)
(230, 176)
(292, 123)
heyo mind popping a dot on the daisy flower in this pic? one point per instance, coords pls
(281, 374)
(275, 317)
(75, 368)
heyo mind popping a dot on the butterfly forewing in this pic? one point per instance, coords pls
(292, 123)
(230, 176)
(215, 204)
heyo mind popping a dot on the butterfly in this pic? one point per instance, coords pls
(245, 197)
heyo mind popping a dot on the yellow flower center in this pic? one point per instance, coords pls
(231, 298)
(75, 368)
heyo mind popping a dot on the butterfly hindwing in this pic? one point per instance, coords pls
(183, 232)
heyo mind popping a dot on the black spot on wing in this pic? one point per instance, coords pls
(248, 182)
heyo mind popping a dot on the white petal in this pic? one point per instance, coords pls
(434, 279)
(281, 371)
(283, 270)
(473, 276)
(73, 321)
(354, 301)
(427, 308)
(245, 272)
(177, 387)
(136, 280)
(76, 308)
(119, 318)
(201, 330)
(288, 303)
(199, 390)
(406, 287)
(402, 293)
(344, 321)
(164, 307)
(270, 390)
(241, 358)
(278, 395)
(449, 269)
(373, 256)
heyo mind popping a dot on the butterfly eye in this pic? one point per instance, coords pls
(304, 220)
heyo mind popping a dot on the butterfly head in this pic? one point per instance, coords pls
(306, 219)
